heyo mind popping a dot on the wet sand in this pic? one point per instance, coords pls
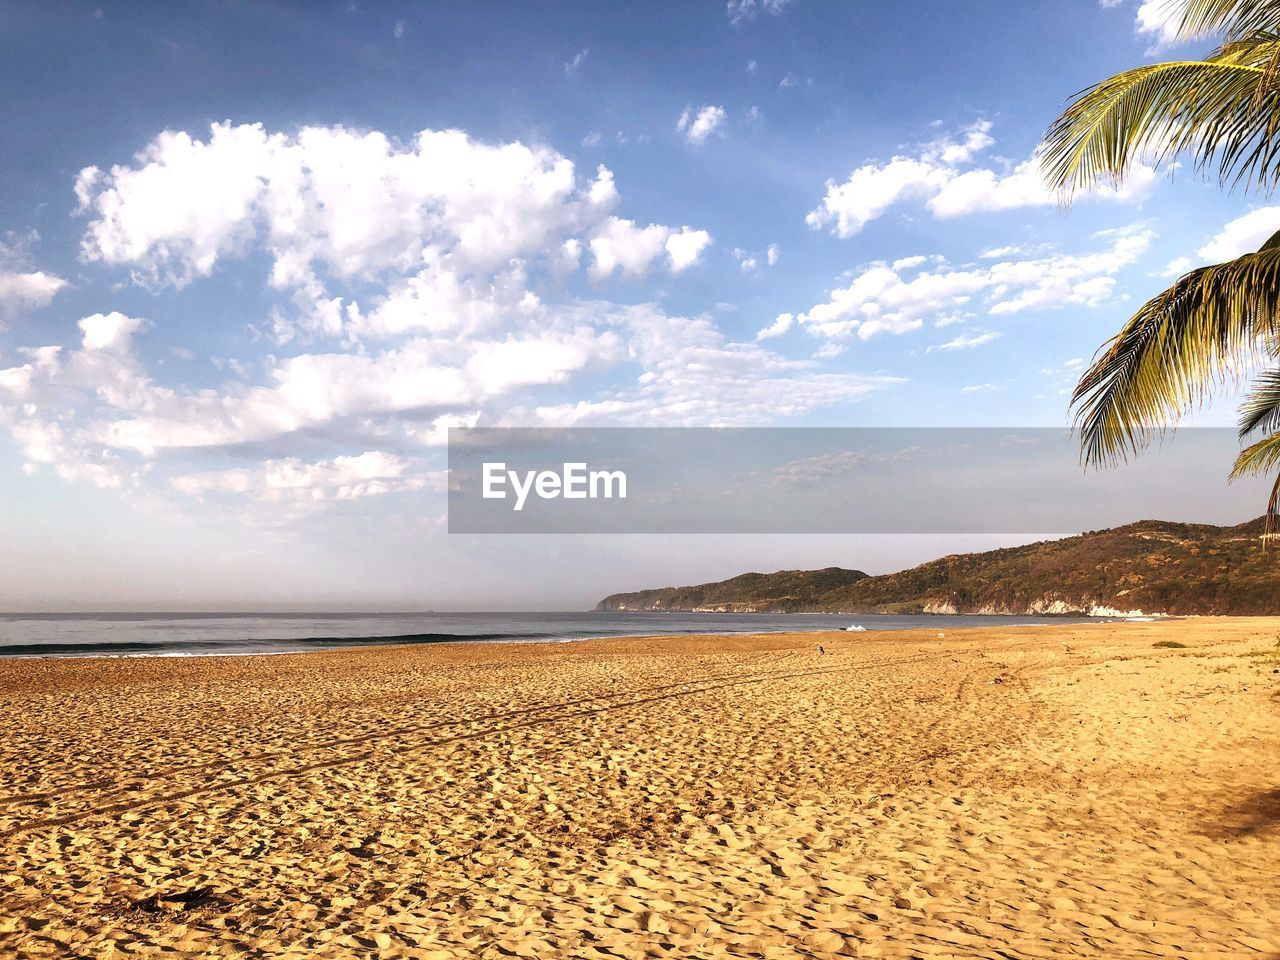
(1038, 792)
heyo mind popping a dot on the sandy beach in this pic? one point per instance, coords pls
(1038, 792)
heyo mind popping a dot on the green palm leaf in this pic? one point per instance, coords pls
(1232, 18)
(1221, 112)
(1262, 457)
(1216, 323)
(1210, 326)
(1261, 409)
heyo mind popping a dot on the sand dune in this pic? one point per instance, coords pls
(1043, 792)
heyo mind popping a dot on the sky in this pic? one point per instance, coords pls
(257, 259)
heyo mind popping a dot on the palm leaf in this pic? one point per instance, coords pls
(1233, 18)
(1261, 409)
(1221, 112)
(1262, 457)
(1210, 326)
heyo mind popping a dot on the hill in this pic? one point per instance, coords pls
(784, 591)
(1152, 566)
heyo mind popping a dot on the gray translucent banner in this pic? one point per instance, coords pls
(831, 480)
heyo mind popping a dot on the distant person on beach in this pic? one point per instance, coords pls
(821, 650)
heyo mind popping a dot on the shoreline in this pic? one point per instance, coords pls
(85, 650)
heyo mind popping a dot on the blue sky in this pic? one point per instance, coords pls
(258, 257)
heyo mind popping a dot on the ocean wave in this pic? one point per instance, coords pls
(249, 645)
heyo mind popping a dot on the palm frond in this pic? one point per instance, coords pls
(1231, 18)
(1210, 326)
(1261, 409)
(1214, 323)
(1221, 112)
(1259, 49)
(1262, 457)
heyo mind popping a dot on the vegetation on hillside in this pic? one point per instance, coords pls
(783, 591)
(1152, 566)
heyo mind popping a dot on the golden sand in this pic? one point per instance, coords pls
(1039, 792)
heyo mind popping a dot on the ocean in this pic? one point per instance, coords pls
(228, 634)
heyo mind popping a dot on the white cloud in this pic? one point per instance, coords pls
(449, 226)
(40, 442)
(311, 391)
(1010, 250)
(697, 127)
(979, 388)
(781, 324)
(1244, 234)
(913, 291)
(415, 285)
(397, 31)
(978, 191)
(1158, 20)
(750, 262)
(621, 245)
(908, 263)
(84, 413)
(571, 66)
(966, 341)
(437, 300)
(329, 201)
(1070, 366)
(686, 373)
(1066, 280)
(872, 189)
(743, 11)
(1177, 267)
(45, 442)
(371, 473)
(436, 433)
(22, 288)
(934, 177)
(186, 204)
(691, 375)
(15, 382)
(1062, 378)
(27, 291)
(976, 138)
(806, 471)
(685, 246)
(108, 331)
